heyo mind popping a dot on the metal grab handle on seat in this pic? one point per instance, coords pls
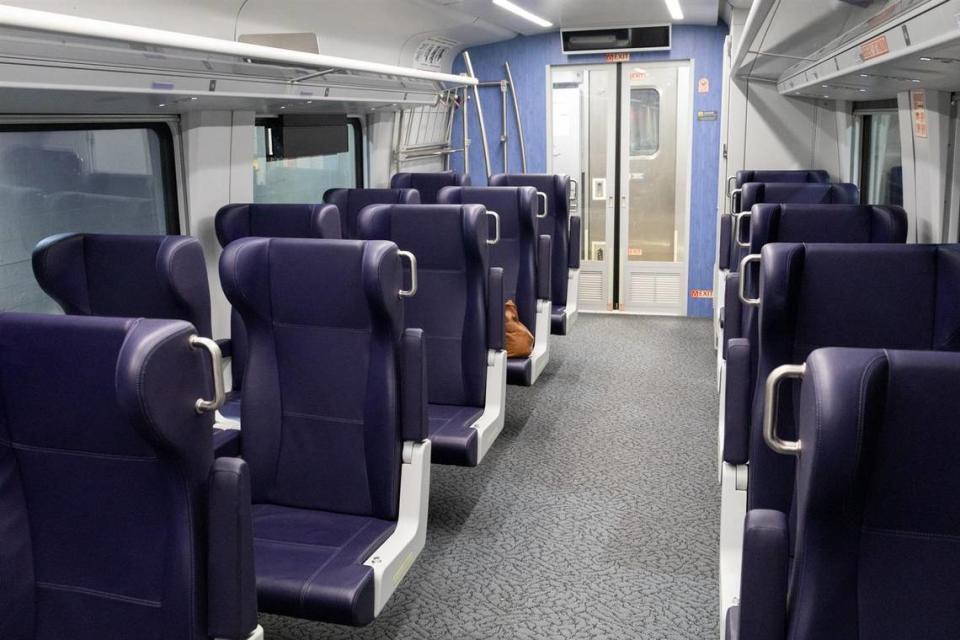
(732, 179)
(770, 399)
(733, 197)
(543, 210)
(575, 193)
(738, 229)
(216, 358)
(496, 220)
(742, 290)
(412, 291)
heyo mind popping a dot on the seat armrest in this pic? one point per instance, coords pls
(723, 257)
(574, 248)
(544, 273)
(231, 580)
(732, 309)
(413, 387)
(764, 575)
(496, 326)
(226, 347)
(737, 402)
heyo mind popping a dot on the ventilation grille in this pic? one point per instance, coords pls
(591, 287)
(654, 289)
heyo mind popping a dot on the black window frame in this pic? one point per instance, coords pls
(273, 129)
(168, 162)
(866, 110)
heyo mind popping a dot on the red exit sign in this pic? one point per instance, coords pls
(618, 57)
(701, 293)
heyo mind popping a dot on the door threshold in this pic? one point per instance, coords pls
(659, 314)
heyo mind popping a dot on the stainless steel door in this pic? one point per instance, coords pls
(656, 116)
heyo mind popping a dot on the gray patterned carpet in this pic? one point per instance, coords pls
(596, 513)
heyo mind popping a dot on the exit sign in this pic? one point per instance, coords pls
(618, 57)
(701, 293)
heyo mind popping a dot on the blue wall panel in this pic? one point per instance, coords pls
(529, 56)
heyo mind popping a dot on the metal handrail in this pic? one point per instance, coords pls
(742, 290)
(770, 400)
(496, 220)
(412, 291)
(738, 229)
(216, 359)
(543, 209)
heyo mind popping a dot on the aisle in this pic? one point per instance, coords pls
(596, 513)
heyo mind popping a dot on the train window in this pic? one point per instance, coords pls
(293, 173)
(881, 166)
(644, 122)
(90, 178)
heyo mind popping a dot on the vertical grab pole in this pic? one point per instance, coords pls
(503, 123)
(483, 128)
(466, 132)
(516, 112)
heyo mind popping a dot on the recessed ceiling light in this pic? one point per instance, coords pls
(925, 59)
(863, 90)
(161, 105)
(864, 75)
(282, 107)
(523, 13)
(673, 6)
(915, 81)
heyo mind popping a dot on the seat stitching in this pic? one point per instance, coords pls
(308, 581)
(67, 452)
(99, 594)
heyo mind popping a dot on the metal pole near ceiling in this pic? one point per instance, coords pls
(483, 128)
(516, 112)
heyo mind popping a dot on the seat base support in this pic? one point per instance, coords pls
(733, 510)
(490, 423)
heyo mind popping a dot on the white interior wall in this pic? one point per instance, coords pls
(926, 167)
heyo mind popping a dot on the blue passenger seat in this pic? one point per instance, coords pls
(117, 522)
(877, 509)
(525, 259)
(350, 202)
(429, 184)
(334, 418)
(842, 295)
(126, 276)
(236, 221)
(785, 223)
(459, 305)
(564, 232)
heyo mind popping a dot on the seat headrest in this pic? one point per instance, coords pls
(516, 206)
(785, 175)
(112, 386)
(235, 221)
(47, 169)
(798, 193)
(126, 276)
(555, 186)
(826, 223)
(351, 202)
(429, 184)
(331, 283)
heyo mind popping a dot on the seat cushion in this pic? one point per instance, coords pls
(452, 436)
(231, 408)
(310, 563)
(558, 320)
(520, 371)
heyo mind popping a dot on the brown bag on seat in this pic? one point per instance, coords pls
(519, 338)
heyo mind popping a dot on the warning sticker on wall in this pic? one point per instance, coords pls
(918, 108)
(638, 74)
(703, 85)
(432, 52)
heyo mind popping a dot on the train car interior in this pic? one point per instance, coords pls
(470, 319)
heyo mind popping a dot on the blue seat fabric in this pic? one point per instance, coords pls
(843, 295)
(557, 226)
(322, 432)
(450, 306)
(236, 221)
(428, 185)
(103, 484)
(787, 223)
(516, 254)
(350, 202)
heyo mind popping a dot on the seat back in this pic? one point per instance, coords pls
(103, 466)
(516, 252)
(878, 518)
(556, 224)
(450, 244)
(429, 184)
(236, 221)
(351, 202)
(843, 295)
(320, 410)
(782, 175)
(126, 276)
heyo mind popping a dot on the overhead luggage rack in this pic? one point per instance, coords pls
(42, 52)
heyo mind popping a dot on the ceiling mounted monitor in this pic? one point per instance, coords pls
(651, 38)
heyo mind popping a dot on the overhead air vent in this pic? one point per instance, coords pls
(654, 38)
